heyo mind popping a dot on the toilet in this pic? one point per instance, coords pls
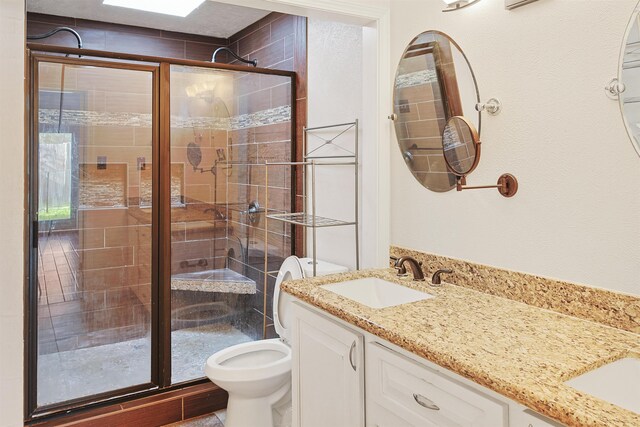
(257, 375)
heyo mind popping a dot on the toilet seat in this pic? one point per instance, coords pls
(291, 269)
(249, 367)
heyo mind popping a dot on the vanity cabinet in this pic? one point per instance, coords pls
(333, 363)
(327, 372)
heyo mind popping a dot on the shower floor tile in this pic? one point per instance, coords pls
(82, 372)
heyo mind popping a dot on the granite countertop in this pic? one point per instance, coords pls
(520, 351)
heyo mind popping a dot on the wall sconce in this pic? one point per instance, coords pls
(457, 4)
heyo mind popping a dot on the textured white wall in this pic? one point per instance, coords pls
(577, 214)
(11, 209)
(335, 84)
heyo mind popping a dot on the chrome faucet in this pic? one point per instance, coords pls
(416, 270)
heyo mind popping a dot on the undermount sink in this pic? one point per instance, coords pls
(376, 293)
(617, 383)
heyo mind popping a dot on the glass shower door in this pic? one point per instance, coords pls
(94, 141)
(224, 126)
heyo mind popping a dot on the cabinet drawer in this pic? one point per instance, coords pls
(423, 397)
(529, 418)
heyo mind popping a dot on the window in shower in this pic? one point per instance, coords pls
(54, 198)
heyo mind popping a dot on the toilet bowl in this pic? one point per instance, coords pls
(257, 375)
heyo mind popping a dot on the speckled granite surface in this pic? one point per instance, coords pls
(599, 305)
(220, 280)
(520, 351)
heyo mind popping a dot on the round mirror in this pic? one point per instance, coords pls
(434, 82)
(630, 78)
(460, 146)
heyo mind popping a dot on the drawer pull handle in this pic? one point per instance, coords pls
(351, 350)
(423, 401)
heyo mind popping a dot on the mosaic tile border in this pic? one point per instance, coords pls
(416, 78)
(269, 116)
(610, 308)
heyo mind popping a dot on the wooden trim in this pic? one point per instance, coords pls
(188, 402)
(164, 232)
(95, 400)
(35, 47)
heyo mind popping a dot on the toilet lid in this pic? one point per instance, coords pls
(291, 269)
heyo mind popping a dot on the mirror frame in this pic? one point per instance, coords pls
(476, 91)
(634, 16)
(475, 137)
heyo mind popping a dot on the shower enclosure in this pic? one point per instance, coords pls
(146, 196)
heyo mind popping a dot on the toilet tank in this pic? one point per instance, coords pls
(323, 268)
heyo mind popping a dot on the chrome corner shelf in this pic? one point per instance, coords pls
(311, 160)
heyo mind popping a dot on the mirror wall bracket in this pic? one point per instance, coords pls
(493, 106)
(507, 185)
(457, 4)
(614, 88)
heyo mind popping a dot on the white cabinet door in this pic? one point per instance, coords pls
(378, 416)
(327, 372)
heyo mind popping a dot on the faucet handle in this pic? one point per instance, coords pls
(435, 279)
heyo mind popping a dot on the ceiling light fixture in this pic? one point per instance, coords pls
(457, 4)
(168, 7)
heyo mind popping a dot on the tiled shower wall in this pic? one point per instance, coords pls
(277, 41)
(126, 38)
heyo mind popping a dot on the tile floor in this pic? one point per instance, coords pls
(214, 420)
(76, 373)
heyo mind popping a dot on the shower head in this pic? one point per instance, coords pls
(253, 62)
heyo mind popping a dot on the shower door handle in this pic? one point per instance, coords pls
(34, 234)
(351, 350)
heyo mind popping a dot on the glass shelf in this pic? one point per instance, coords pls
(307, 220)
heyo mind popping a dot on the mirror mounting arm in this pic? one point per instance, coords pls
(507, 185)
(493, 106)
